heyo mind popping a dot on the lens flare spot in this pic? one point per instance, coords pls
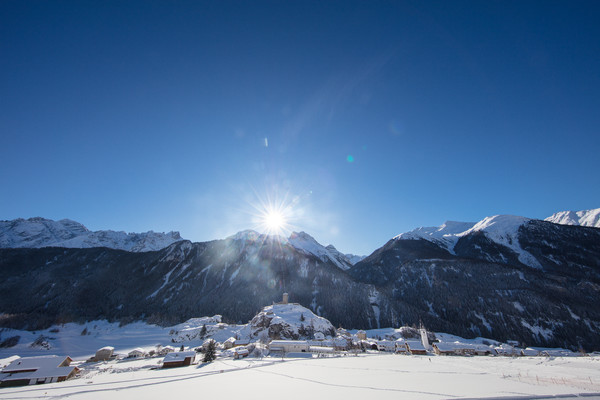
(350, 159)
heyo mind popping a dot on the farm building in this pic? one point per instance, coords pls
(321, 349)
(507, 350)
(288, 346)
(163, 351)
(361, 335)
(229, 343)
(240, 352)
(386, 345)
(36, 370)
(179, 359)
(546, 352)
(342, 343)
(367, 344)
(415, 347)
(461, 349)
(401, 346)
(136, 353)
(104, 354)
(530, 352)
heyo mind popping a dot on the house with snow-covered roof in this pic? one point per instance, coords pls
(229, 343)
(462, 349)
(104, 354)
(416, 347)
(400, 346)
(136, 353)
(288, 346)
(163, 351)
(507, 350)
(386, 345)
(179, 359)
(241, 352)
(36, 370)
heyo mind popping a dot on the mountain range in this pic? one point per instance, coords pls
(505, 277)
(40, 232)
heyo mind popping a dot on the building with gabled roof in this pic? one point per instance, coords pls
(136, 353)
(34, 370)
(462, 349)
(288, 346)
(179, 359)
(104, 354)
(416, 347)
(400, 345)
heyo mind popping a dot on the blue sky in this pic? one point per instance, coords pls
(365, 119)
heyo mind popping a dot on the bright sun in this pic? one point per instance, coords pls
(274, 221)
(274, 215)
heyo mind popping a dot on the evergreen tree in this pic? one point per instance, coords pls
(210, 354)
(302, 317)
(203, 332)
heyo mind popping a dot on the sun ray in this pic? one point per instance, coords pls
(275, 213)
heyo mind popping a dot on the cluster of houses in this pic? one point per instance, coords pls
(48, 369)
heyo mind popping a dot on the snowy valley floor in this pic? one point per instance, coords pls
(381, 376)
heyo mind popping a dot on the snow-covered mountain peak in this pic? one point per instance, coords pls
(250, 235)
(501, 229)
(41, 232)
(302, 236)
(446, 230)
(247, 234)
(303, 242)
(504, 230)
(498, 225)
(583, 218)
(445, 235)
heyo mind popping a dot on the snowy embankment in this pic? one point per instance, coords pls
(383, 376)
(80, 342)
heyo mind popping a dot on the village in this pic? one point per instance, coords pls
(276, 332)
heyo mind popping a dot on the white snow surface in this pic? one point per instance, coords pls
(40, 232)
(370, 375)
(583, 218)
(501, 229)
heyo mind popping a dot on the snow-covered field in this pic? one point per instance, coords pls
(381, 376)
(340, 375)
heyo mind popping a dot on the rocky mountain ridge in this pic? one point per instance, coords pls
(504, 278)
(583, 218)
(41, 232)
